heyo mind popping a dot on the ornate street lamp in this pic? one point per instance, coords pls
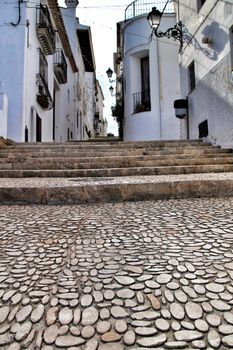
(154, 19)
(111, 89)
(109, 73)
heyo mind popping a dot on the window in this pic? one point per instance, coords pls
(141, 99)
(145, 74)
(200, 3)
(192, 81)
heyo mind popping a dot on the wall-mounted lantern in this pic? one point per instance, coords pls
(111, 89)
(109, 73)
(154, 19)
(181, 108)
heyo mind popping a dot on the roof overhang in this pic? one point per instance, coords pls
(57, 16)
(86, 45)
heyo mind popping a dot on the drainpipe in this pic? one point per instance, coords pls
(160, 94)
(19, 14)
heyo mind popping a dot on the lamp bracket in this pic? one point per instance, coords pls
(175, 32)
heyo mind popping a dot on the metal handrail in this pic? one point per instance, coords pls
(141, 7)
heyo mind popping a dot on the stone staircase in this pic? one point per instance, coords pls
(77, 172)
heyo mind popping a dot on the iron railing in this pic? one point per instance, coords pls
(43, 95)
(141, 102)
(43, 65)
(142, 7)
(43, 20)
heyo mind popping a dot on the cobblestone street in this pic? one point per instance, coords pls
(136, 275)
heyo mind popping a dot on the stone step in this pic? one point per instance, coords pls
(138, 152)
(113, 172)
(54, 164)
(92, 190)
(115, 158)
(99, 147)
(85, 172)
(120, 144)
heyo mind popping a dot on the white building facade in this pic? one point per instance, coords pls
(150, 78)
(206, 66)
(43, 82)
(37, 70)
(100, 123)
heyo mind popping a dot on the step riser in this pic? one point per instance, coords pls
(52, 165)
(172, 152)
(111, 172)
(116, 147)
(116, 193)
(108, 145)
(82, 159)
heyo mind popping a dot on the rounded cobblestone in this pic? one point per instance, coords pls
(95, 286)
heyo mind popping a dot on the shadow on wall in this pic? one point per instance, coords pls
(212, 100)
(212, 31)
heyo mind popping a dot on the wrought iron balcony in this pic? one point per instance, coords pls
(60, 66)
(141, 102)
(44, 29)
(43, 95)
(142, 7)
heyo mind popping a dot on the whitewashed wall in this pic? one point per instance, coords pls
(81, 85)
(12, 67)
(160, 122)
(66, 115)
(212, 99)
(89, 98)
(3, 115)
(30, 84)
(19, 68)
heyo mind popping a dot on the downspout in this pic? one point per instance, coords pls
(27, 80)
(19, 14)
(159, 79)
(178, 10)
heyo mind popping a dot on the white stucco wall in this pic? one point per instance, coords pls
(67, 114)
(81, 87)
(160, 122)
(101, 130)
(31, 71)
(12, 66)
(90, 93)
(3, 115)
(19, 68)
(66, 107)
(212, 98)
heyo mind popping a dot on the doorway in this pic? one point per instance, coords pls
(38, 128)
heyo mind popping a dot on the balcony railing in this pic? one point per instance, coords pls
(44, 28)
(43, 95)
(142, 7)
(141, 102)
(60, 66)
